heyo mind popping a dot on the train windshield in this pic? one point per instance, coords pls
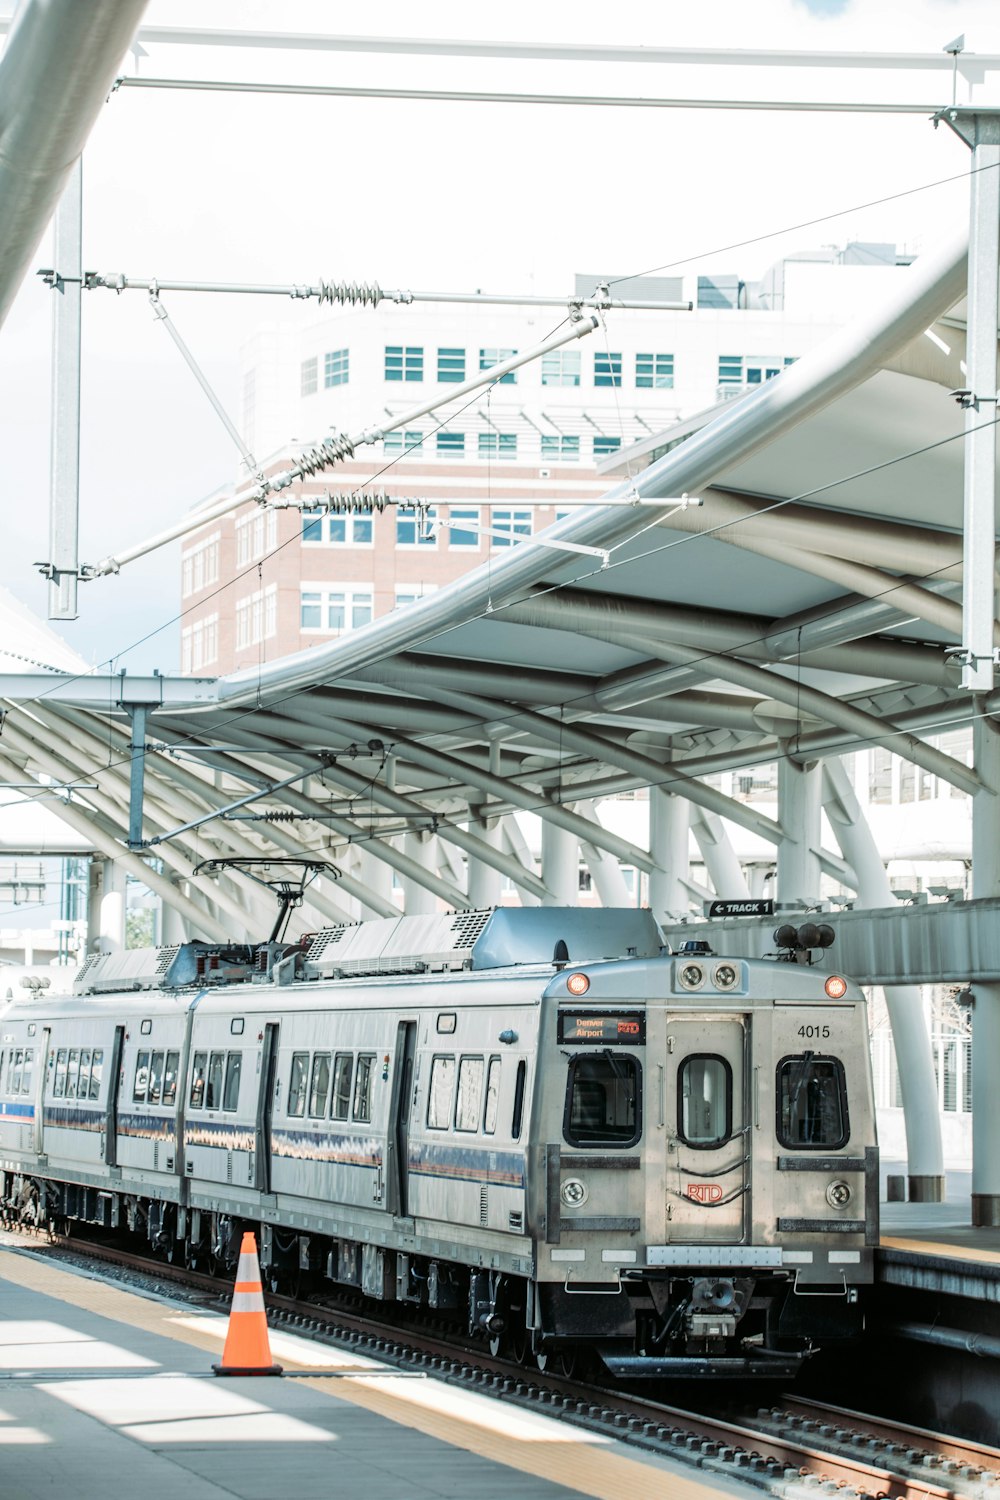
(602, 1100)
(812, 1103)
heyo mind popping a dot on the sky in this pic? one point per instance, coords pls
(430, 196)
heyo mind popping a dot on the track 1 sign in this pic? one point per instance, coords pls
(746, 908)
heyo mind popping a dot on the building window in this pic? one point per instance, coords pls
(404, 362)
(561, 367)
(252, 614)
(654, 372)
(309, 377)
(200, 566)
(451, 366)
(607, 369)
(320, 529)
(498, 445)
(251, 537)
(516, 522)
(561, 447)
(332, 608)
(605, 445)
(403, 442)
(200, 644)
(757, 369)
(457, 536)
(336, 367)
(451, 443)
(414, 527)
(409, 593)
(490, 357)
(730, 369)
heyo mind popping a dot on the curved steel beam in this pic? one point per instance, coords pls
(56, 71)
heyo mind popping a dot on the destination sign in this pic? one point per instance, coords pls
(616, 1028)
(746, 908)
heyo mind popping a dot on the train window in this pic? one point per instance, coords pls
(602, 1100)
(83, 1091)
(170, 1067)
(704, 1101)
(468, 1107)
(97, 1072)
(15, 1087)
(319, 1085)
(492, 1096)
(155, 1077)
(812, 1103)
(363, 1087)
(141, 1077)
(59, 1082)
(234, 1067)
(517, 1117)
(29, 1055)
(343, 1068)
(297, 1083)
(213, 1085)
(440, 1093)
(198, 1067)
(73, 1071)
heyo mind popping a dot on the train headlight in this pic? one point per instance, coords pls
(838, 1194)
(725, 976)
(574, 1193)
(578, 984)
(836, 987)
(691, 976)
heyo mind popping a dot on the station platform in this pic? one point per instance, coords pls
(102, 1388)
(934, 1247)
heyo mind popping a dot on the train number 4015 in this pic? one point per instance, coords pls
(814, 1032)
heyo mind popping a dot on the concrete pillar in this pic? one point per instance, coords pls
(560, 865)
(173, 927)
(106, 916)
(914, 1057)
(986, 997)
(799, 806)
(721, 865)
(484, 882)
(669, 844)
(417, 900)
(377, 876)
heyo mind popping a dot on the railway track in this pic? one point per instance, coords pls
(794, 1449)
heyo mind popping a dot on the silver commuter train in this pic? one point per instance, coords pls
(668, 1159)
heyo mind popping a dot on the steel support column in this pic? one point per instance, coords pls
(925, 1157)
(721, 864)
(64, 473)
(484, 880)
(799, 805)
(980, 129)
(986, 1009)
(605, 870)
(669, 843)
(422, 848)
(560, 865)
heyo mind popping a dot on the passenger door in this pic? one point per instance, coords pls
(708, 1150)
(398, 1141)
(265, 1106)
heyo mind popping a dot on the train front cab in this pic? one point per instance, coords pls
(710, 1186)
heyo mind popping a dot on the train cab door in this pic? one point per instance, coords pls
(708, 1157)
(400, 1109)
(265, 1106)
(115, 1085)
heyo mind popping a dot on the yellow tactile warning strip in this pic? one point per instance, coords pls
(945, 1249)
(533, 1444)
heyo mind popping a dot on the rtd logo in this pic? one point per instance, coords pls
(628, 1028)
(705, 1192)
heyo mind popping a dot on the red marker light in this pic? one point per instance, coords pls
(578, 984)
(836, 987)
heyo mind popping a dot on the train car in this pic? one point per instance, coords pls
(538, 1123)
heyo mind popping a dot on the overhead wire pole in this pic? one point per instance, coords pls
(64, 474)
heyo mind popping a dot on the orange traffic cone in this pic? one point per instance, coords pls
(248, 1349)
